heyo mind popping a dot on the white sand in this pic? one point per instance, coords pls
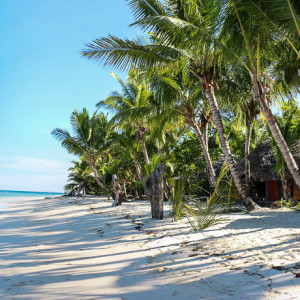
(84, 249)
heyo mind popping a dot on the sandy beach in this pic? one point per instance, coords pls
(70, 248)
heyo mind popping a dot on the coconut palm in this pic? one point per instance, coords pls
(131, 107)
(178, 99)
(80, 178)
(90, 135)
(235, 92)
(259, 37)
(175, 42)
(290, 128)
(126, 147)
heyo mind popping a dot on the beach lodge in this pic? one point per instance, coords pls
(268, 183)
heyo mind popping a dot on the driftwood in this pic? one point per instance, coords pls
(154, 189)
(124, 188)
(117, 190)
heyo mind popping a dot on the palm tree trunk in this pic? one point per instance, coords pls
(247, 152)
(208, 164)
(248, 202)
(138, 170)
(260, 98)
(124, 188)
(145, 152)
(284, 186)
(83, 191)
(102, 185)
(205, 133)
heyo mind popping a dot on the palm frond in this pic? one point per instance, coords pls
(122, 54)
(143, 8)
(203, 215)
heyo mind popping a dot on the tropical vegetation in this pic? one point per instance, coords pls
(203, 83)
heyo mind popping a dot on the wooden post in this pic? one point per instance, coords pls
(117, 190)
(124, 188)
(154, 189)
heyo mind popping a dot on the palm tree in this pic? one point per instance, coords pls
(253, 30)
(172, 45)
(235, 91)
(126, 147)
(80, 178)
(179, 98)
(90, 135)
(290, 128)
(130, 107)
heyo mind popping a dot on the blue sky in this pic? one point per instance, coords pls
(43, 79)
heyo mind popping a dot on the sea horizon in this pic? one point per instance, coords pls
(17, 191)
(8, 197)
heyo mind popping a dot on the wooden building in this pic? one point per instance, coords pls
(268, 183)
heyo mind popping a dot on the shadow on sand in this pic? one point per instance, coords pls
(58, 250)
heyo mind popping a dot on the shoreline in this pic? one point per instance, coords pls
(15, 200)
(10, 197)
(70, 248)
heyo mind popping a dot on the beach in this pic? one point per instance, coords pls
(73, 248)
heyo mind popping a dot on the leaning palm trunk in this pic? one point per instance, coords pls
(138, 170)
(145, 152)
(259, 95)
(247, 152)
(248, 202)
(208, 164)
(102, 185)
(205, 133)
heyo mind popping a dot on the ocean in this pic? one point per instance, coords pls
(8, 197)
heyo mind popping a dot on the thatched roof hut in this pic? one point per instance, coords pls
(262, 167)
(262, 163)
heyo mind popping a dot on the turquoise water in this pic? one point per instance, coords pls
(8, 197)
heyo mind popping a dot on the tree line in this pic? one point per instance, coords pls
(202, 82)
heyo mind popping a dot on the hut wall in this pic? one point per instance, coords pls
(272, 190)
(261, 189)
(279, 195)
(296, 192)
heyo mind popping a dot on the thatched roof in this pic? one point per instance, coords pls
(262, 163)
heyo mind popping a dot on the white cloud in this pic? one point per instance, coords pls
(37, 183)
(23, 173)
(36, 165)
